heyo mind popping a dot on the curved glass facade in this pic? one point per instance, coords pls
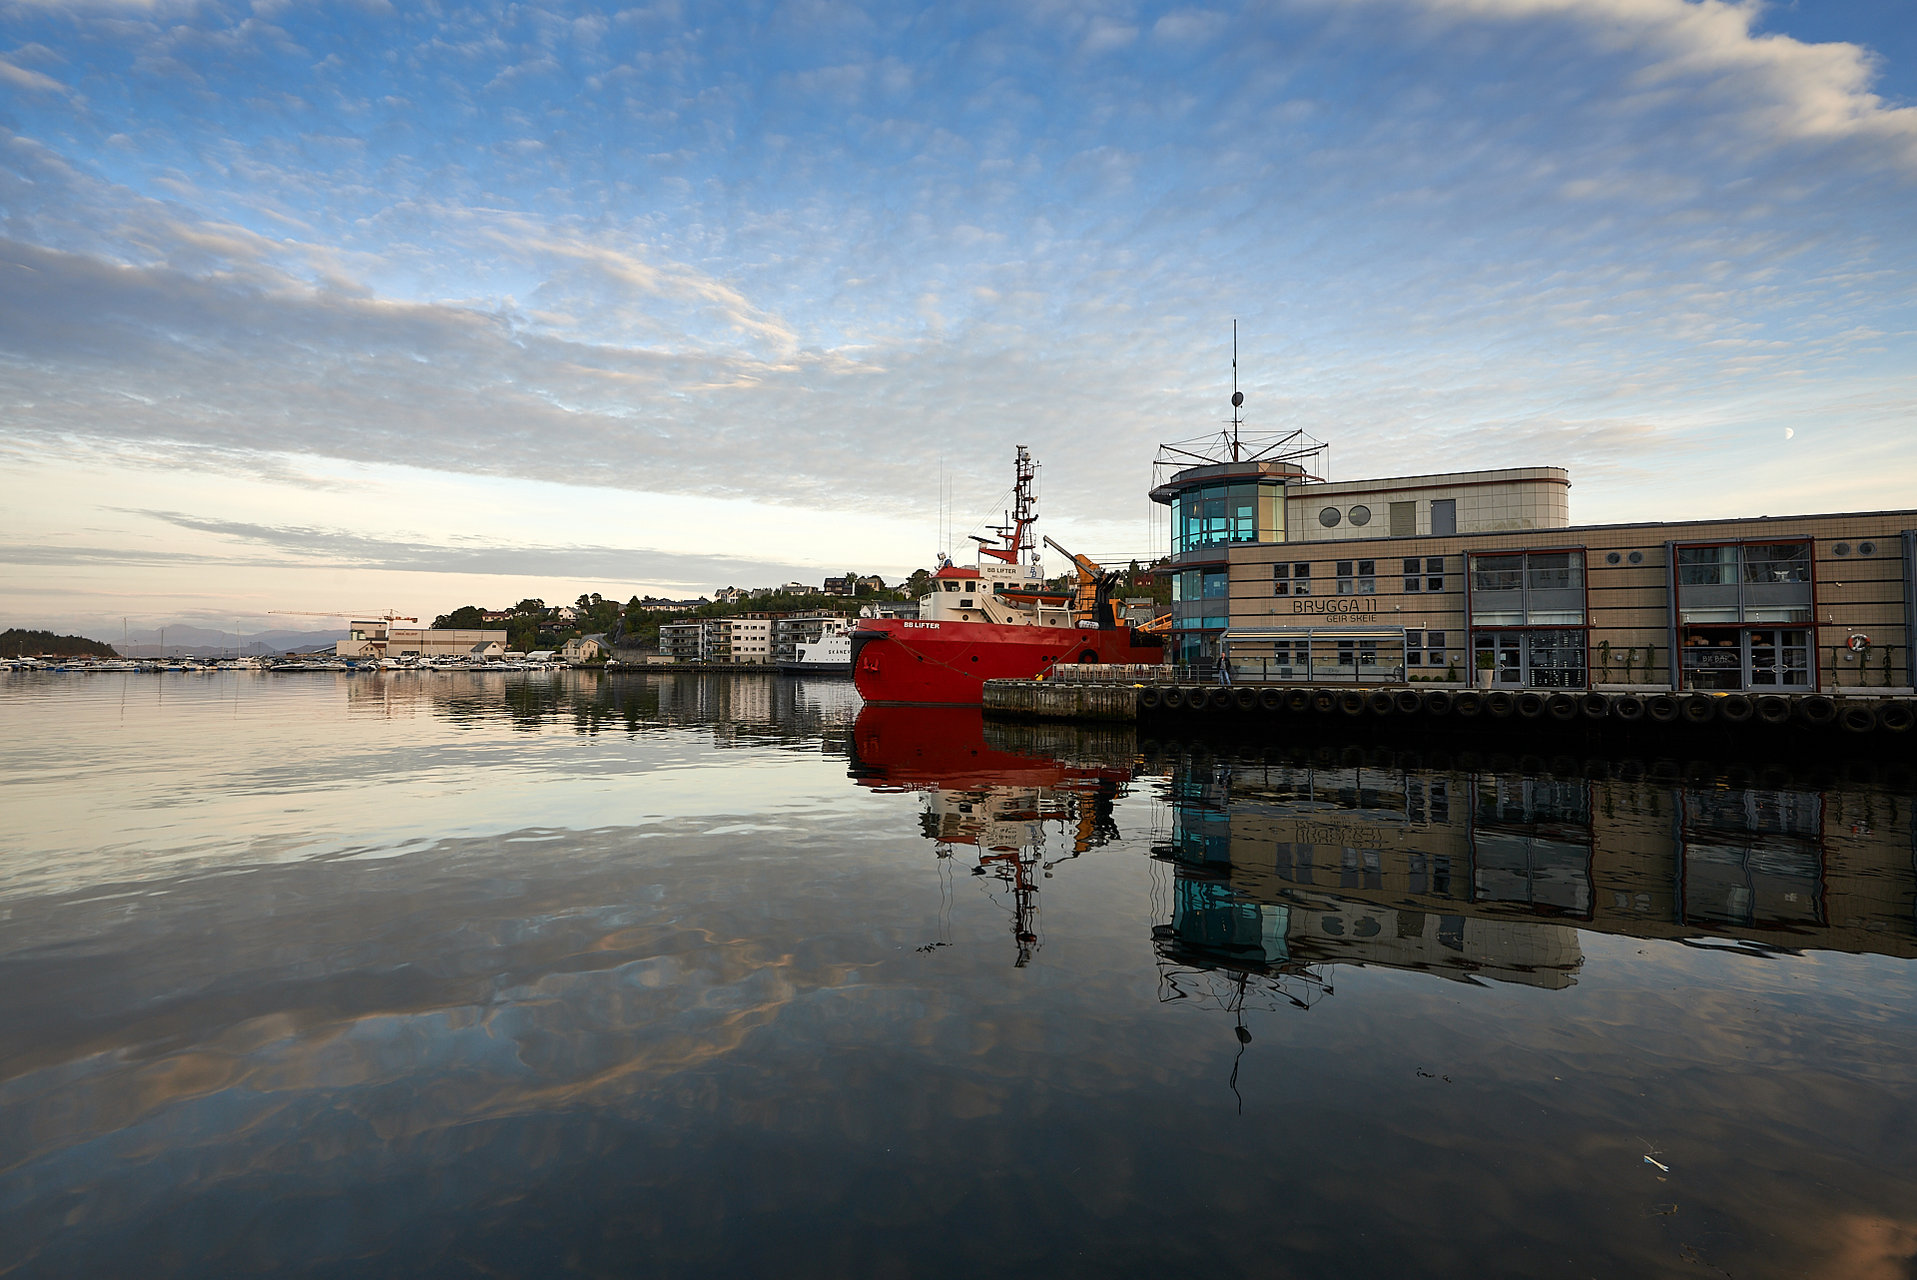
(1221, 514)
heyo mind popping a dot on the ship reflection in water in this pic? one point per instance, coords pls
(1019, 815)
(1284, 867)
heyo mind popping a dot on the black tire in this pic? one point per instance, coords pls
(1439, 702)
(1699, 709)
(1561, 707)
(1530, 705)
(1352, 702)
(1469, 703)
(1817, 710)
(1735, 708)
(1895, 717)
(1663, 708)
(1628, 708)
(1297, 699)
(1150, 699)
(1245, 699)
(1378, 702)
(1499, 704)
(1407, 702)
(1172, 699)
(1595, 706)
(1271, 699)
(1857, 718)
(1772, 709)
(1218, 699)
(1324, 701)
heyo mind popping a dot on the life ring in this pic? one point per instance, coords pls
(1857, 643)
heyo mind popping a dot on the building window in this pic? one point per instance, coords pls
(1217, 585)
(1357, 577)
(1360, 516)
(1291, 579)
(1329, 517)
(1223, 514)
(1444, 516)
(1536, 659)
(1527, 588)
(1424, 649)
(1404, 519)
(1756, 582)
(1424, 573)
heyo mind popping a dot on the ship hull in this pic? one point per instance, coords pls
(897, 660)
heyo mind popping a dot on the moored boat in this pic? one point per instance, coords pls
(995, 620)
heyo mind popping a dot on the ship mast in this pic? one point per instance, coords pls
(1016, 531)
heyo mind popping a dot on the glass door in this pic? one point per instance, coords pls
(1776, 659)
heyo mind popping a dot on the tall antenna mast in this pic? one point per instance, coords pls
(1237, 396)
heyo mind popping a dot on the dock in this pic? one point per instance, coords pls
(1079, 696)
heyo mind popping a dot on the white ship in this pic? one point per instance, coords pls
(830, 654)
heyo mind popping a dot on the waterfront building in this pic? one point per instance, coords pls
(1480, 577)
(586, 648)
(381, 639)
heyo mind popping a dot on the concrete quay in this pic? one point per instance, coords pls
(1848, 713)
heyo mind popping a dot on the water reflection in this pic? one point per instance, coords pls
(1483, 873)
(745, 709)
(1010, 805)
(623, 975)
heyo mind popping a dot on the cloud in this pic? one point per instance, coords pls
(22, 78)
(1786, 88)
(299, 547)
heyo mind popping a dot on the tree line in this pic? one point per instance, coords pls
(16, 642)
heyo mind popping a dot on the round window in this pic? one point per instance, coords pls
(1612, 558)
(1842, 548)
(1329, 517)
(1361, 516)
(1866, 548)
(1637, 557)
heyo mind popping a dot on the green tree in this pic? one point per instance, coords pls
(465, 618)
(530, 605)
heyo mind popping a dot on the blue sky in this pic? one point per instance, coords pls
(352, 305)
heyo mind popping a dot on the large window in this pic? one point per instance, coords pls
(1219, 515)
(1528, 589)
(1357, 577)
(1752, 582)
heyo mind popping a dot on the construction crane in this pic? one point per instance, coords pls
(367, 616)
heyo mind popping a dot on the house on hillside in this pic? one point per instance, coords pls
(586, 648)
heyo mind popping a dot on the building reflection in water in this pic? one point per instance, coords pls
(1016, 810)
(1284, 868)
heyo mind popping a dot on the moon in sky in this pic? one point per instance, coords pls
(1789, 432)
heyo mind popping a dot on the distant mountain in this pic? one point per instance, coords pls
(205, 643)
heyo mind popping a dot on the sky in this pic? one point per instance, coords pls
(310, 306)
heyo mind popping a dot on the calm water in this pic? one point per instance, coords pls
(543, 975)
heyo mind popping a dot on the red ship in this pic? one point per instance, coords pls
(995, 621)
